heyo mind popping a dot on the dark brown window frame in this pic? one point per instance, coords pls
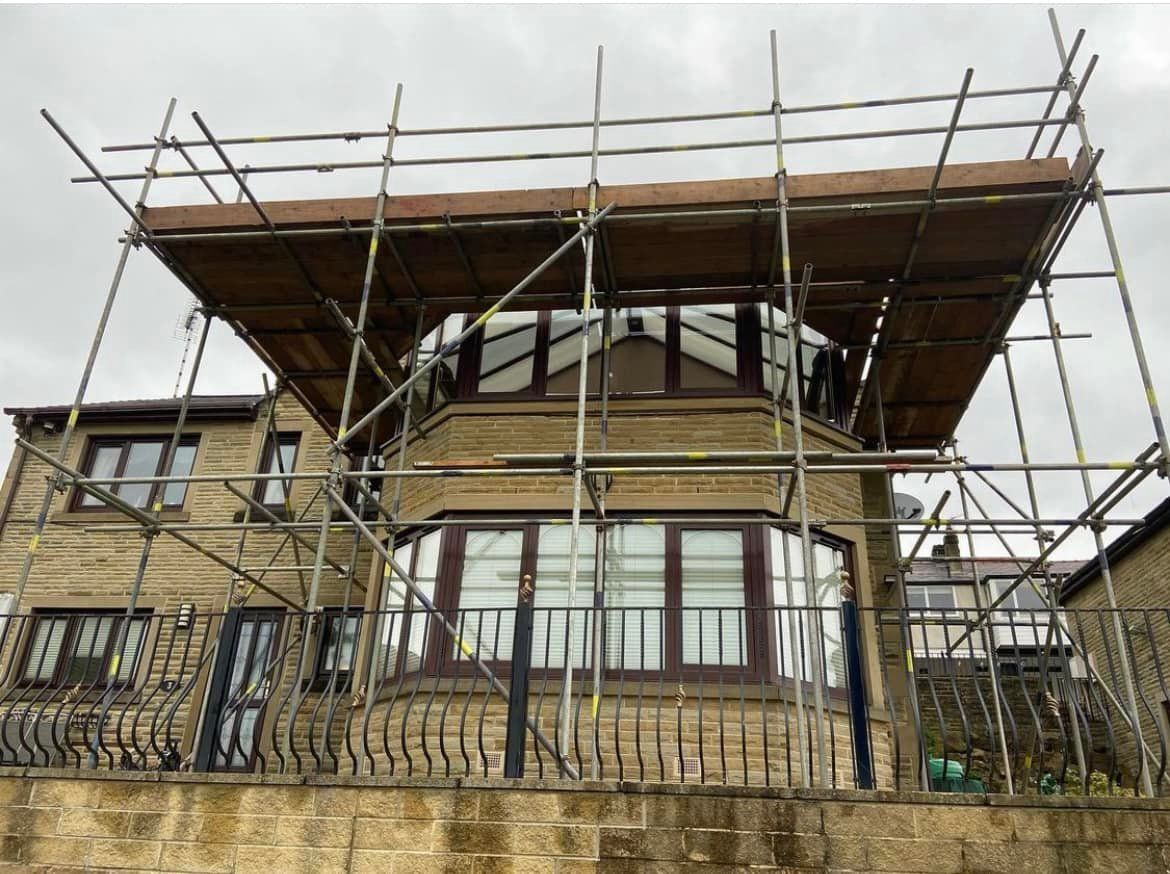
(96, 441)
(761, 645)
(72, 621)
(267, 457)
(320, 676)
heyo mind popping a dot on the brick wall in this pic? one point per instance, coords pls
(49, 821)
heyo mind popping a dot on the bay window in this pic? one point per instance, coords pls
(687, 599)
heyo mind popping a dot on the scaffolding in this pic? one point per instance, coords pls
(592, 471)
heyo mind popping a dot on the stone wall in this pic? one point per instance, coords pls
(58, 822)
(1141, 583)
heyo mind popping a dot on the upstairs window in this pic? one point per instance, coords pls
(271, 492)
(66, 650)
(930, 598)
(126, 457)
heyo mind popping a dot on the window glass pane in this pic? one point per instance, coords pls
(89, 649)
(45, 650)
(916, 598)
(564, 352)
(425, 571)
(550, 603)
(446, 373)
(638, 350)
(796, 625)
(707, 346)
(175, 493)
(104, 464)
(509, 344)
(635, 578)
(340, 637)
(142, 460)
(712, 577)
(488, 591)
(766, 344)
(273, 492)
(135, 632)
(390, 622)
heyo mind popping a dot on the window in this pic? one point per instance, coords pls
(1022, 597)
(118, 457)
(796, 630)
(930, 597)
(271, 492)
(68, 649)
(336, 643)
(678, 598)
(404, 618)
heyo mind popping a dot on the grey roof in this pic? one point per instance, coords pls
(201, 407)
(958, 569)
(1153, 522)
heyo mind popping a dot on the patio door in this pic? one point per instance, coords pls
(242, 682)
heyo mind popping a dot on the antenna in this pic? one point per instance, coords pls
(185, 331)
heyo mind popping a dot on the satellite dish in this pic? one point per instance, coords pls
(907, 506)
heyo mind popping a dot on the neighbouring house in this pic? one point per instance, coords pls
(1139, 620)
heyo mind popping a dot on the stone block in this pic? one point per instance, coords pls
(29, 820)
(867, 819)
(117, 853)
(236, 829)
(144, 796)
(313, 831)
(844, 854)
(417, 803)
(212, 858)
(897, 854)
(427, 863)
(1112, 858)
(383, 834)
(165, 826)
(513, 865)
(14, 791)
(593, 808)
(337, 800)
(287, 860)
(90, 823)
(1065, 825)
(963, 822)
(739, 814)
(65, 793)
(1010, 857)
(502, 839)
(54, 851)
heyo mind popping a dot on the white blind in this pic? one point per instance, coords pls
(550, 603)
(712, 578)
(635, 578)
(43, 654)
(487, 598)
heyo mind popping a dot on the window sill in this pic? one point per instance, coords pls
(73, 517)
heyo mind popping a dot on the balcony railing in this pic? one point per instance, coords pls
(841, 697)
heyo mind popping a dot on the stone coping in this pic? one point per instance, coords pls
(849, 796)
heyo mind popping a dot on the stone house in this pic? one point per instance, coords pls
(1137, 561)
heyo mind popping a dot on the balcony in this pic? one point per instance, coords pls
(706, 695)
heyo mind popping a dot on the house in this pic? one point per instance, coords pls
(565, 535)
(1136, 620)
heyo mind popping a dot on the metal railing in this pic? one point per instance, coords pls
(1028, 702)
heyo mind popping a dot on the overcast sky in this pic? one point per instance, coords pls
(106, 72)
